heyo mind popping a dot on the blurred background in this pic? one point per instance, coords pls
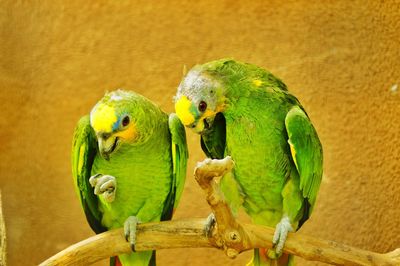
(57, 59)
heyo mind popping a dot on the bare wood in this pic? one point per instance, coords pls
(229, 235)
(3, 243)
(149, 236)
(190, 234)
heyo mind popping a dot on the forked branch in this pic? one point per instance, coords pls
(229, 235)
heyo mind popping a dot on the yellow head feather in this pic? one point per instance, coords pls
(103, 118)
(182, 108)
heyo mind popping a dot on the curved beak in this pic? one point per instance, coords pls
(107, 144)
(198, 126)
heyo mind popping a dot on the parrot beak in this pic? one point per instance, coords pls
(198, 127)
(107, 145)
(202, 126)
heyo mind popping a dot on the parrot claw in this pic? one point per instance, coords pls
(281, 231)
(210, 224)
(105, 185)
(130, 231)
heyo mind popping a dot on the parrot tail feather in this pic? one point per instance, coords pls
(114, 261)
(260, 258)
(153, 259)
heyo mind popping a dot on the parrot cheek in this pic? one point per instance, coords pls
(128, 135)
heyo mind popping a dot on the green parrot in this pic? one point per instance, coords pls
(129, 165)
(243, 111)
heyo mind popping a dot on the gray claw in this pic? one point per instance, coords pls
(105, 185)
(93, 179)
(281, 231)
(210, 224)
(130, 231)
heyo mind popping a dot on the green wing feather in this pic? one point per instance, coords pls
(179, 161)
(84, 149)
(213, 143)
(306, 152)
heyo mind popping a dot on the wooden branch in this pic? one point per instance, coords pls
(149, 236)
(3, 243)
(229, 235)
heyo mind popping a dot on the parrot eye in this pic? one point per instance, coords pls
(125, 121)
(202, 106)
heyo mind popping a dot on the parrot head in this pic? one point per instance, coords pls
(199, 99)
(115, 120)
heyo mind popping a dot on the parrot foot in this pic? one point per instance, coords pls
(210, 224)
(105, 185)
(281, 231)
(130, 231)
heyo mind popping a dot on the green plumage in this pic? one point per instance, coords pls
(257, 121)
(149, 170)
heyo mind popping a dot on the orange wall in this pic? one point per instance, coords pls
(341, 58)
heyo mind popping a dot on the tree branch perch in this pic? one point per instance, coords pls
(228, 234)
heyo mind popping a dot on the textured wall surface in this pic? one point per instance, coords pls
(341, 58)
